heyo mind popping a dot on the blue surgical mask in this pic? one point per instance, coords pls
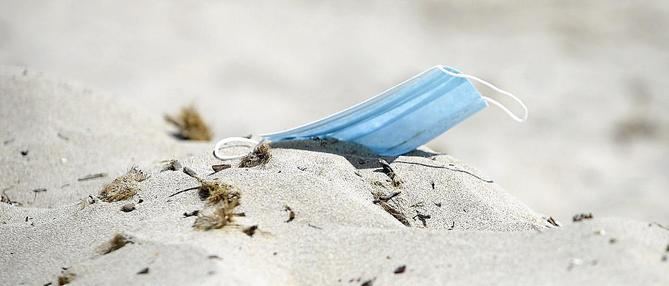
(399, 119)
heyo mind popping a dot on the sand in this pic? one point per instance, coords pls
(446, 223)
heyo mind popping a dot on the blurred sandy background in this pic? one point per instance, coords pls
(593, 73)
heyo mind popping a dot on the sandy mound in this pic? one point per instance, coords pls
(319, 212)
(53, 135)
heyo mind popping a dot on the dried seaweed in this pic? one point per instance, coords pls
(260, 155)
(190, 124)
(221, 216)
(123, 187)
(66, 277)
(117, 242)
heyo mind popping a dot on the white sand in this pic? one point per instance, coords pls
(476, 233)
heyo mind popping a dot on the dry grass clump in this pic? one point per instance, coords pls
(216, 192)
(190, 124)
(116, 243)
(260, 156)
(225, 198)
(222, 215)
(123, 187)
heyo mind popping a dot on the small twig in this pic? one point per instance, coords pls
(386, 197)
(388, 170)
(422, 217)
(219, 167)
(183, 191)
(316, 227)
(552, 221)
(417, 205)
(92, 176)
(450, 167)
(35, 191)
(191, 172)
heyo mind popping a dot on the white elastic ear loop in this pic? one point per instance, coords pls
(230, 142)
(490, 100)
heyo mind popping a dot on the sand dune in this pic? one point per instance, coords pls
(443, 222)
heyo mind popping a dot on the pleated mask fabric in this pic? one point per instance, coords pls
(399, 119)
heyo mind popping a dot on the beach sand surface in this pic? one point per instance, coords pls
(442, 223)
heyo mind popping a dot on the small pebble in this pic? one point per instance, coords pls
(128, 208)
(400, 270)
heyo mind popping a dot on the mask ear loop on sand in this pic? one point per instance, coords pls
(233, 142)
(490, 100)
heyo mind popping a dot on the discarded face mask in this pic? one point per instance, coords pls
(399, 119)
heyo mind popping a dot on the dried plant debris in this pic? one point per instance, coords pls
(216, 192)
(384, 198)
(190, 124)
(4, 198)
(116, 243)
(211, 191)
(382, 201)
(259, 156)
(66, 277)
(291, 213)
(395, 213)
(123, 187)
(92, 177)
(580, 217)
(220, 167)
(190, 172)
(221, 216)
(171, 165)
(388, 170)
(552, 221)
(378, 184)
(422, 217)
